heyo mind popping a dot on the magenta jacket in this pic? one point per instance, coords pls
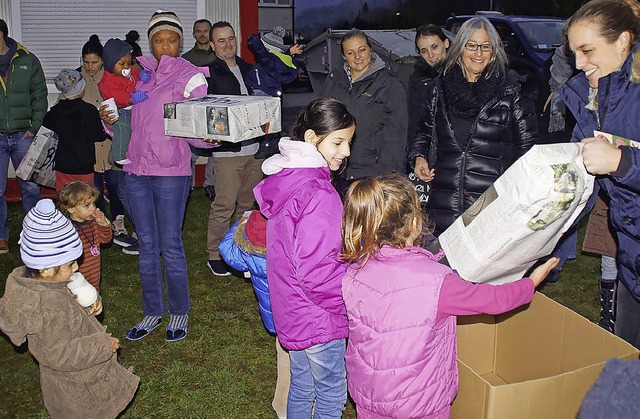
(303, 241)
(401, 354)
(150, 151)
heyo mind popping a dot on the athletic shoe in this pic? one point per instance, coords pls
(134, 249)
(209, 192)
(4, 247)
(218, 267)
(118, 226)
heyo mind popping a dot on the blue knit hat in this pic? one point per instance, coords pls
(48, 239)
(113, 51)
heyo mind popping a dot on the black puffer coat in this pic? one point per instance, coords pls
(422, 74)
(378, 102)
(503, 131)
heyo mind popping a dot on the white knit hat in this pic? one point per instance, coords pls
(48, 239)
(164, 20)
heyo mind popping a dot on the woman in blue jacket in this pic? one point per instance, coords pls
(604, 36)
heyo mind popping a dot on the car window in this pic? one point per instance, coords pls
(512, 45)
(542, 35)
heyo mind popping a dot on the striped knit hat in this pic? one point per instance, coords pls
(164, 20)
(48, 239)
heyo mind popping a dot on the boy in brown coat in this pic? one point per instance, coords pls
(79, 372)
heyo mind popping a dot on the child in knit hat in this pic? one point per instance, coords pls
(78, 126)
(79, 371)
(119, 82)
(244, 249)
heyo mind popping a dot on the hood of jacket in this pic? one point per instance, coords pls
(293, 155)
(376, 64)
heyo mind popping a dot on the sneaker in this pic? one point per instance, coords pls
(4, 247)
(118, 226)
(136, 334)
(209, 192)
(218, 267)
(247, 275)
(134, 249)
(124, 240)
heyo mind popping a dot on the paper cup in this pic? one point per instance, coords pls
(111, 106)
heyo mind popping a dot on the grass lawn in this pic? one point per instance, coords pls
(226, 366)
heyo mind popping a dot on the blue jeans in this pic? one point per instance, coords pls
(318, 373)
(14, 148)
(157, 204)
(110, 178)
(122, 194)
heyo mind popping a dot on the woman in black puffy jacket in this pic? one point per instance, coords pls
(476, 123)
(431, 44)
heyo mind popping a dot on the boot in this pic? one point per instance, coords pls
(607, 304)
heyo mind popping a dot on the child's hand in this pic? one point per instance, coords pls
(100, 218)
(115, 343)
(145, 76)
(138, 96)
(96, 307)
(540, 273)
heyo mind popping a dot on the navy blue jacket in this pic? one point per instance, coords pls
(619, 114)
(270, 73)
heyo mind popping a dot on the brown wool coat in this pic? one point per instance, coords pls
(79, 375)
(599, 238)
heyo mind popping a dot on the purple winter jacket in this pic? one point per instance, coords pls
(303, 241)
(150, 151)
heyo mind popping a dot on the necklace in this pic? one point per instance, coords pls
(93, 247)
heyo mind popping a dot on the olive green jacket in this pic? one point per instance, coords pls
(23, 101)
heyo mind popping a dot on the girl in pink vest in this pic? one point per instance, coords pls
(402, 304)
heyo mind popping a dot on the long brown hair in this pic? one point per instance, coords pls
(378, 211)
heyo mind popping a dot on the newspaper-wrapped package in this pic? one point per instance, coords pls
(521, 217)
(37, 164)
(224, 118)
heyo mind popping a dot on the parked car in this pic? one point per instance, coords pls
(533, 38)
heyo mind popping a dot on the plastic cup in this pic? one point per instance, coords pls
(111, 106)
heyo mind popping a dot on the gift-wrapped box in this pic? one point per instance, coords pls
(224, 118)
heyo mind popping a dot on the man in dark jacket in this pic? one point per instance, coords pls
(235, 169)
(22, 107)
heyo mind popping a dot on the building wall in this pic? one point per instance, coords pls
(269, 17)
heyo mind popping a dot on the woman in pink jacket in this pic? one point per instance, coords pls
(158, 178)
(303, 241)
(402, 304)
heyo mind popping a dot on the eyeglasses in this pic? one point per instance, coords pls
(472, 46)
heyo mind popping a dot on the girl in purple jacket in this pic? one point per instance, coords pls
(402, 304)
(303, 213)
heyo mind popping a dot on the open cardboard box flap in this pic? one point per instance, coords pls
(536, 361)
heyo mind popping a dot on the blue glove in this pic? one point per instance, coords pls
(138, 96)
(145, 76)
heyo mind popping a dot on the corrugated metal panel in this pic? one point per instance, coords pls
(56, 30)
(5, 14)
(228, 10)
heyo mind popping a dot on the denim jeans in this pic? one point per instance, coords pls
(157, 205)
(318, 373)
(110, 178)
(14, 148)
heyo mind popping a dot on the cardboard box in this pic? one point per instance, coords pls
(536, 362)
(224, 118)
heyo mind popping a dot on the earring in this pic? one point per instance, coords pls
(624, 49)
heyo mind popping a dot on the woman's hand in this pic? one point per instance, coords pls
(107, 116)
(600, 157)
(422, 170)
(540, 273)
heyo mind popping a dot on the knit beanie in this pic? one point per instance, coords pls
(274, 40)
(48, 239)
(69, 82)
(164, 20)
(113, 51)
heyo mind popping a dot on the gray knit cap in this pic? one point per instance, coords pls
(48, 239)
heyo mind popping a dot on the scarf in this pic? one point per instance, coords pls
(465, 99)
